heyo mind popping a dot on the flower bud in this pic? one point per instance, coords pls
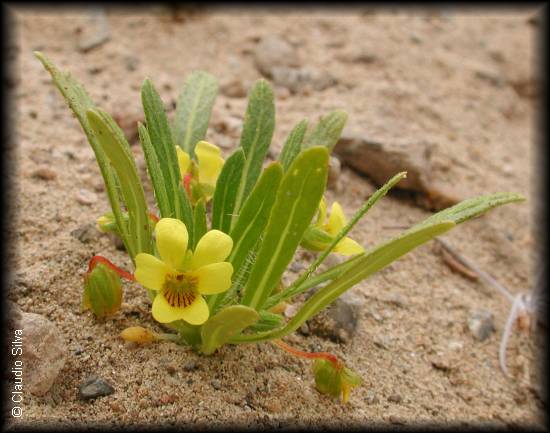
(315, 239)
(106, 223)
(102, 291)
(333, 380)
(138, 334)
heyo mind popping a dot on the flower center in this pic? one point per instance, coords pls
(180, 290)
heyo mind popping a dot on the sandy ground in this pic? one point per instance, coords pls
(461, 80)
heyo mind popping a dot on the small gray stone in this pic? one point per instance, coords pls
(372, 398)
(381, 157)
(190, 365)
(339, 321)
(86, 197)
(394, 398)
(216, 384)
(334, 171)
(302, 80)
(233, 89)
(43, 353)
(481, 324)
(273, 51)
(95, 33)
(93, 387)
(85, 233)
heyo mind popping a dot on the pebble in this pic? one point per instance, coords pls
(302, 80)
(86, 197)
(381, 157)
(44, 173)
(273, 51)
(93, 387)
(190, 365)
(394, 398)
(233, 89)
(216, 384)
(481, 324)
(334, 171)
(339, 321)
(372, 398)
(95, 33)
(43, 354)
(85, 233)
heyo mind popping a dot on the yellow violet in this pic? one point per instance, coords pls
(208, 168)
(319, 236)
(181, 276)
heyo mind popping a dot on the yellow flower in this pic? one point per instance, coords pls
(319, 236)
(207, 170)
(180, 276)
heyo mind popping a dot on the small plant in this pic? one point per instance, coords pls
(213, 258)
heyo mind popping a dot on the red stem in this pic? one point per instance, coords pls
(310, 355)
(153, 217)
(100, 259)
(187, 183)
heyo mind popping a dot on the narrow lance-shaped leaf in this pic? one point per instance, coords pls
(224, 325)
(193, 110)
(327, 132)
(293, 144)
(297, 200)
(186, 211)
(199, 222)
(259, 122)
(255, 214)
(225, 193)
(155, 173)
(373, 199)
(111, 139)
(161, 139)
(80, 102)
(380, 256)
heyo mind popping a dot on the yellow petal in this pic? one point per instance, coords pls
(210, 162)
(214, 278)
(197, 313)
(322, 214)
(213, 247)
(150, 271)
(348, 247)
(337, 220)
(184, 161)
(172, 240)
(163, 312)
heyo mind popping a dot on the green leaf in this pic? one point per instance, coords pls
(155, 172)
(193, 110)
(161, 139)
(380, 256)
(267, 322)
(225, 193)
(199, 222)
(381, 192)
(293, 144)
(79, 102)
(327, 132)
(186, 211)
(111, 139)
(296, 204)
(255, 214)
(224, 325)
(259, 122)
(474, 207)
(374, 260)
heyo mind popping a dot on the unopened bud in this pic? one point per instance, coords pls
(106, 223)
(102, 291)
(334, 380)
(138, 334)
(315, 239)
